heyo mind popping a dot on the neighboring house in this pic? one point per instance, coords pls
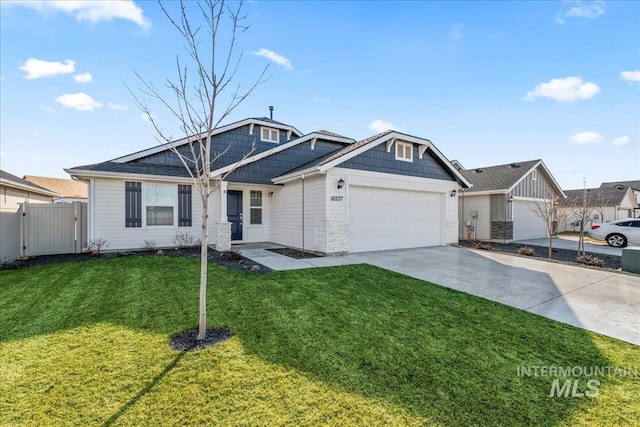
(635, 188)
(322, 192)
(500, 204)
(69, 190)
(13, 191)
(607, 204)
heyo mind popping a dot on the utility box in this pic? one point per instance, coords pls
(631, 260)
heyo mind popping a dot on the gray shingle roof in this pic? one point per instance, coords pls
(136, 168)
(326, 132)
(611, 196)
(633, 184)
(9, 179)
(497, 178)
(337, 153)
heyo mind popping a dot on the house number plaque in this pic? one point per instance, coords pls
(336, 198)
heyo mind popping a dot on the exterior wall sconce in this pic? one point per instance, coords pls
(340, 184)
(270, 193)
(453, 192)
(510, 199)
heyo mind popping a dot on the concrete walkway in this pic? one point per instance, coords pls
(600, 301)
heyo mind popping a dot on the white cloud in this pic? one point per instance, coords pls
(564, 90)
(587, 138)
(119, 107)
(590, 10)
(78, 101)
(631, 76)
(92, 11)
(322, 100)
(37, 68)
(83, 78)
(620, 141)
(380, 126)
(275, 57)
(456, 32)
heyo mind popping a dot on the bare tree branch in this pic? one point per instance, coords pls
(194, 102)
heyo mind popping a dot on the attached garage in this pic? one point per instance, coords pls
(381, 219)
(526, 225)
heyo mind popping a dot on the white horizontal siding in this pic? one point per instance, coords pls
(285, 212)
(108, 218)
(481, 204)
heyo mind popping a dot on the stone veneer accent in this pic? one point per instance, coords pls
(223, 236)
(502, 230)
(331, 237)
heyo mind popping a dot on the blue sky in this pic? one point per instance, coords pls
(487, 82)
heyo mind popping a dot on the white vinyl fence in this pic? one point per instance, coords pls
(9, 232)
(43, 229)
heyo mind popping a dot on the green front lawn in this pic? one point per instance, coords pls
(86, 344)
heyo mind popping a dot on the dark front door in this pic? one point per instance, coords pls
(234, 213)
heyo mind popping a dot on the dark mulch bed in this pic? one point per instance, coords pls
(293, 253)
(561, 255)
(186, 340)
(231, 260)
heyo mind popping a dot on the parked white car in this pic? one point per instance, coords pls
(617, 233)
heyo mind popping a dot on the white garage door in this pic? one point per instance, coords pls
(382, 219)
(526, 225)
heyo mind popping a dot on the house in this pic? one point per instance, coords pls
(635, 188)
(68, 190)
(604, 204)
(500, 204)
(13, 191)
(321, 191)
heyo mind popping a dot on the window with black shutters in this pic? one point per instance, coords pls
(133, 204)
(184, 206)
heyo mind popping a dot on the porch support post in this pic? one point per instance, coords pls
(223, 227)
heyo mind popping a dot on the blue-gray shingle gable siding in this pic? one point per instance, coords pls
(378, 160)
(262, 171)
(238, 140)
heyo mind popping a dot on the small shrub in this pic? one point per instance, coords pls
(96, 247)
(231, 255)
(183, 239)
(148, 245)
(483, 246)
(525, 250)
(590, 260)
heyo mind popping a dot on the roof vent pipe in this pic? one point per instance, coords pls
(271, 112)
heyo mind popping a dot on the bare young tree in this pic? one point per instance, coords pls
(195, 100)
(548, 211)
(601, 201)
(582, 211)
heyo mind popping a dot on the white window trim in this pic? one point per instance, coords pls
(261, 207)
(262, 138)
(144, 206)
(404, 146)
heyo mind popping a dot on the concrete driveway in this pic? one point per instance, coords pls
(600, 301)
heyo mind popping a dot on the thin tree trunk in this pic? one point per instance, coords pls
(204, 249)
